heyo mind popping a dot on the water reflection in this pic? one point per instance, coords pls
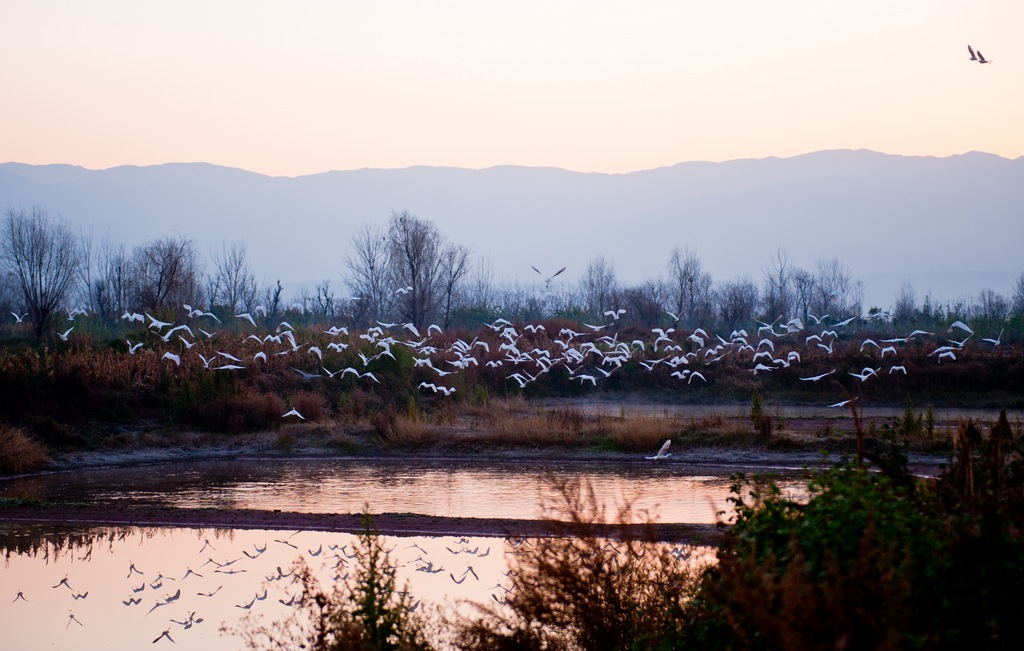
(123, 588)
(676, 493)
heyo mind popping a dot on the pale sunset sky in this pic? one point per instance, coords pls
(295, 88)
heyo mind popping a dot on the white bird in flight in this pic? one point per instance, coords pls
(663, 452)
(963, 326)
(171, 356)
(994, 342)
(818, 377)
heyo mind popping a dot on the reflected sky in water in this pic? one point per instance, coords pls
(82, 597)
(180, 567)
(675, 493)
(191, 583)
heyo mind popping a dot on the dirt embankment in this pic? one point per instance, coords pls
(393, 524)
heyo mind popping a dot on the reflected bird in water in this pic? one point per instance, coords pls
(166, 634)
(246, 606)
(190, 572)
(64, 582)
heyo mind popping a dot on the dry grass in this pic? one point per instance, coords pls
(402, 430)
(248, 412)
(578, 589)
(641, 433)
(558, 427)
(19, 452)
(311, 405)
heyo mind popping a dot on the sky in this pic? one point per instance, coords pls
(288, 89)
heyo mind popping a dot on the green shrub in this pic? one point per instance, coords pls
(875, 559)
(365, 613)
(854, 567)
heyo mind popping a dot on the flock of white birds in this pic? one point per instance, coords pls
(524, 353)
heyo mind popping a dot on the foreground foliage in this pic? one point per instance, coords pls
(875, 560)
(865, 560)
(366, 613)
(578, 589)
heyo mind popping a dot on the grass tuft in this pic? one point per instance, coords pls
(19, 452)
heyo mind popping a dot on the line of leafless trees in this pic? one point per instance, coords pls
(407, 270)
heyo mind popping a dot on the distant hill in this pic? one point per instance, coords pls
(950, 225)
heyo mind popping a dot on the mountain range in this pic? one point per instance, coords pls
(951, 226)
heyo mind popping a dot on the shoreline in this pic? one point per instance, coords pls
(394, 524)
(390, 524)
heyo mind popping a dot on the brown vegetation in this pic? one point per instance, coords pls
(586, 587)
(76, 395)
(19, 452)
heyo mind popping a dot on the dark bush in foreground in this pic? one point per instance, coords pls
(582, 590)
(872, 561)
(367, 613)
(865, 560)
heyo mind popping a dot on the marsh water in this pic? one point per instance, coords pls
(509, 489)
(77, 587)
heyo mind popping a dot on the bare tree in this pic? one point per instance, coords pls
(415, 249)
(904, 309)
(9, 293)
(835, 290)
(270, 298)
(737, 301)
(481, 293)
(1017, 301)
(454, 267)
(599, 287)
(369, 268)
(165, 273)
(992, 304)
(691, 296)
(83, 284)
(233, 284)
(325, 299)
(778, 280)
(803, 291)
(110, 289)
(642, 304)
(42, 254)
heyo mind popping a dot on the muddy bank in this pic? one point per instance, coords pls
(392, 524)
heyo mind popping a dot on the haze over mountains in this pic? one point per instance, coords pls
(952, 226)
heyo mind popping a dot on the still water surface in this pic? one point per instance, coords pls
(221, 576)
(674, 492)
